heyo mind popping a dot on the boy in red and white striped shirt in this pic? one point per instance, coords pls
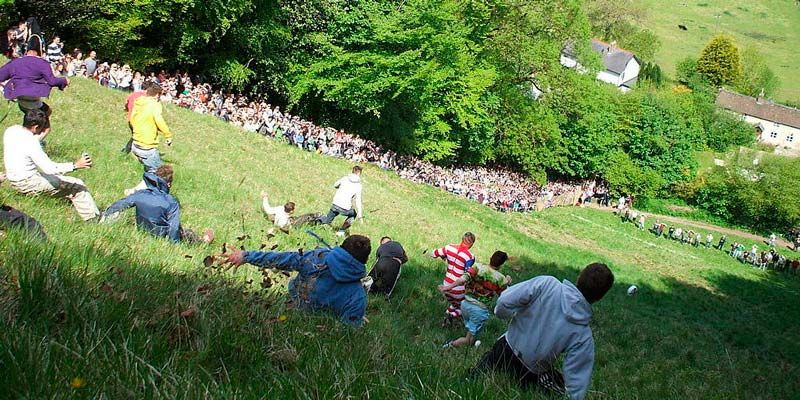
(459, 259)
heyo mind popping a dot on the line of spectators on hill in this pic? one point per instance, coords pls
(499, 188)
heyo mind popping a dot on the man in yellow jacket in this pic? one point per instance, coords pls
(147, 121)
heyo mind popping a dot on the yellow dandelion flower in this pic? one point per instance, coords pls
(282, 318)
(77, 383)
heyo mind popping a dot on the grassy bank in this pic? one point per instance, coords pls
(107, 311)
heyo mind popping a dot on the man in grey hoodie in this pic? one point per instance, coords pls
(549, 318)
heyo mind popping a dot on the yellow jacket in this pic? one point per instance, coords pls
(147, 121)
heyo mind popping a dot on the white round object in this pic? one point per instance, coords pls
(477, 343)
(633, 290)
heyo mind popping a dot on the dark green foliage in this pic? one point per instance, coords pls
(651, 74)
(759, 195)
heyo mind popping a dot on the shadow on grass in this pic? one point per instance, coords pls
(130, 328)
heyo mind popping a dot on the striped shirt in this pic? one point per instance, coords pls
(459, 259)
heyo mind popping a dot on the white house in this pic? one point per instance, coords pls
(776, 124)
(621, 66)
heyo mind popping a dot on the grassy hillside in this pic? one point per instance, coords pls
(107, 311)
(771, 26)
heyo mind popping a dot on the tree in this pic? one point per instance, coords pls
(719, 61)
(757, 78)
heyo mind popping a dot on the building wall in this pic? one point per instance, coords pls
(609, 77)
(631, 71)
(776, 134)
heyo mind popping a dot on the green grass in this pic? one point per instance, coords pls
(771, 26)
(103, 303)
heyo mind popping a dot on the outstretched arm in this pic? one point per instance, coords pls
(287, 261)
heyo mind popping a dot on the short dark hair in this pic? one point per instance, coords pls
(358, 246)
(498, 258)
(288, 207)
(356, 169)
(594, 281)
(386, 238)
(165, 172)
(468, 237)
(36, 117)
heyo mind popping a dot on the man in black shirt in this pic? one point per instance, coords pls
(386, 271)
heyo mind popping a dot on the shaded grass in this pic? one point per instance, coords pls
(138, 317)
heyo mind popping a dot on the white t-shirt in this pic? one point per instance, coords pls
(23, 156)
(279, 215)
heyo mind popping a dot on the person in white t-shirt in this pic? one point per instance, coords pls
(348, 190)
(281, 215)
(30, 170)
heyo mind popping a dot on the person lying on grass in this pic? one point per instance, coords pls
(327, 279)
(482, 285)
(549, 318)
(157, 211)
(280, 215)
(389, 259)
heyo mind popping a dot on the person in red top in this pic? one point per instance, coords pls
(129, 109)
(459, 259)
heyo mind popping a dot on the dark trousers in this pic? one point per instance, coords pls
(336, 210)
(384, 275)
(13, 218)
(501, 357)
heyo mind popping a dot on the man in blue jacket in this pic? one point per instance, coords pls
(327, 279)
(549, 318)
(157, 211)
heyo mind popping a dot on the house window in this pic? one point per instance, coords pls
(790, 138)
(773, 135)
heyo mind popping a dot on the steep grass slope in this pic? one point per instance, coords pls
(105, 311)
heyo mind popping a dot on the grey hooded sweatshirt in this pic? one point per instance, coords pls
(550, 318)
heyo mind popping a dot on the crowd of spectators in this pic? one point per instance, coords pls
(499, 188)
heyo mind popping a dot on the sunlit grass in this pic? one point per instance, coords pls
(108, 311)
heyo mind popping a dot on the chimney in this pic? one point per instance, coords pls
(613, 46)
(760, 98)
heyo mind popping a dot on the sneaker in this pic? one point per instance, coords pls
(340, 233)
(447, 345)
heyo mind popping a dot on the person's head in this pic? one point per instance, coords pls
(92, 54)
(56, 39)
(357, 170)
(165, 172)
(385, 239)
(358, 246)
(594, 282)
(36, 121)
(468, 239)
(289, 207)
(154, 89)
(498, 259)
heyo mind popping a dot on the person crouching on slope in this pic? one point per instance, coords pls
(348, 189)
(146, 123)
(157, 211)
(328, 279)
(459, 259)
(482, 285)
(549, 318)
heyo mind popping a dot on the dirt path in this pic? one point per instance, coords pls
(697, 224)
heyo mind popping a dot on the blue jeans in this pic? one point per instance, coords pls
(474, 316)
(150, 158)
(336, 210)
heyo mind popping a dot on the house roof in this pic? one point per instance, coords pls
(766, 110)
(630, 83)
(615, 59)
